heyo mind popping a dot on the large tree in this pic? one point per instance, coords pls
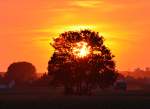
(21, 72)
(81, 62)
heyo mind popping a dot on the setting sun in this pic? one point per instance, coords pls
(75, 54)
(81, 49)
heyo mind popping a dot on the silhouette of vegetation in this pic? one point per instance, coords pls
(43, 81)
(21, 72)
(81, 71)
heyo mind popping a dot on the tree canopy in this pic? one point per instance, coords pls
(81, 62)
(21, 72)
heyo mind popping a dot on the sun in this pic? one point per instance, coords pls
(81, 49)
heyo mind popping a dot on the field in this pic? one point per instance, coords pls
(47, 98)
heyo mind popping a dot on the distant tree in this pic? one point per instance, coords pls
(81, 62)
(139, 70)
(1, 78)
(21, 72)
(147, 69)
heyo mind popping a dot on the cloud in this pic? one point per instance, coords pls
(87, 3)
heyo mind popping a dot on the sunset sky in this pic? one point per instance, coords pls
(28, 26)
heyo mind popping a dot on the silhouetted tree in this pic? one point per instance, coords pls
(43, 81)
(1, 78)
(21, 72)
(81, 74)
(147, 69)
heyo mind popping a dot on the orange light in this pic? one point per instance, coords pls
(81, 49)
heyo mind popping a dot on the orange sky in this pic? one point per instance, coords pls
(27, 27)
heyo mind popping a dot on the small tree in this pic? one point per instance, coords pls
(81, 62)
(21, 72)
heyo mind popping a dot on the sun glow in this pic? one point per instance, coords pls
(62, 28)
(81, 49)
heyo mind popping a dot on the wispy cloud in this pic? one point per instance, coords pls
(87, 3)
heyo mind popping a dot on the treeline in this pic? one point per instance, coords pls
(137, 73)
(138, 83)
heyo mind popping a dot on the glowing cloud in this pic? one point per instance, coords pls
(87, 3)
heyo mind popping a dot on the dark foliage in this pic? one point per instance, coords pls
(81, 75)
(21, 72)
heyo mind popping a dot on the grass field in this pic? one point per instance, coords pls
(46, 98)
